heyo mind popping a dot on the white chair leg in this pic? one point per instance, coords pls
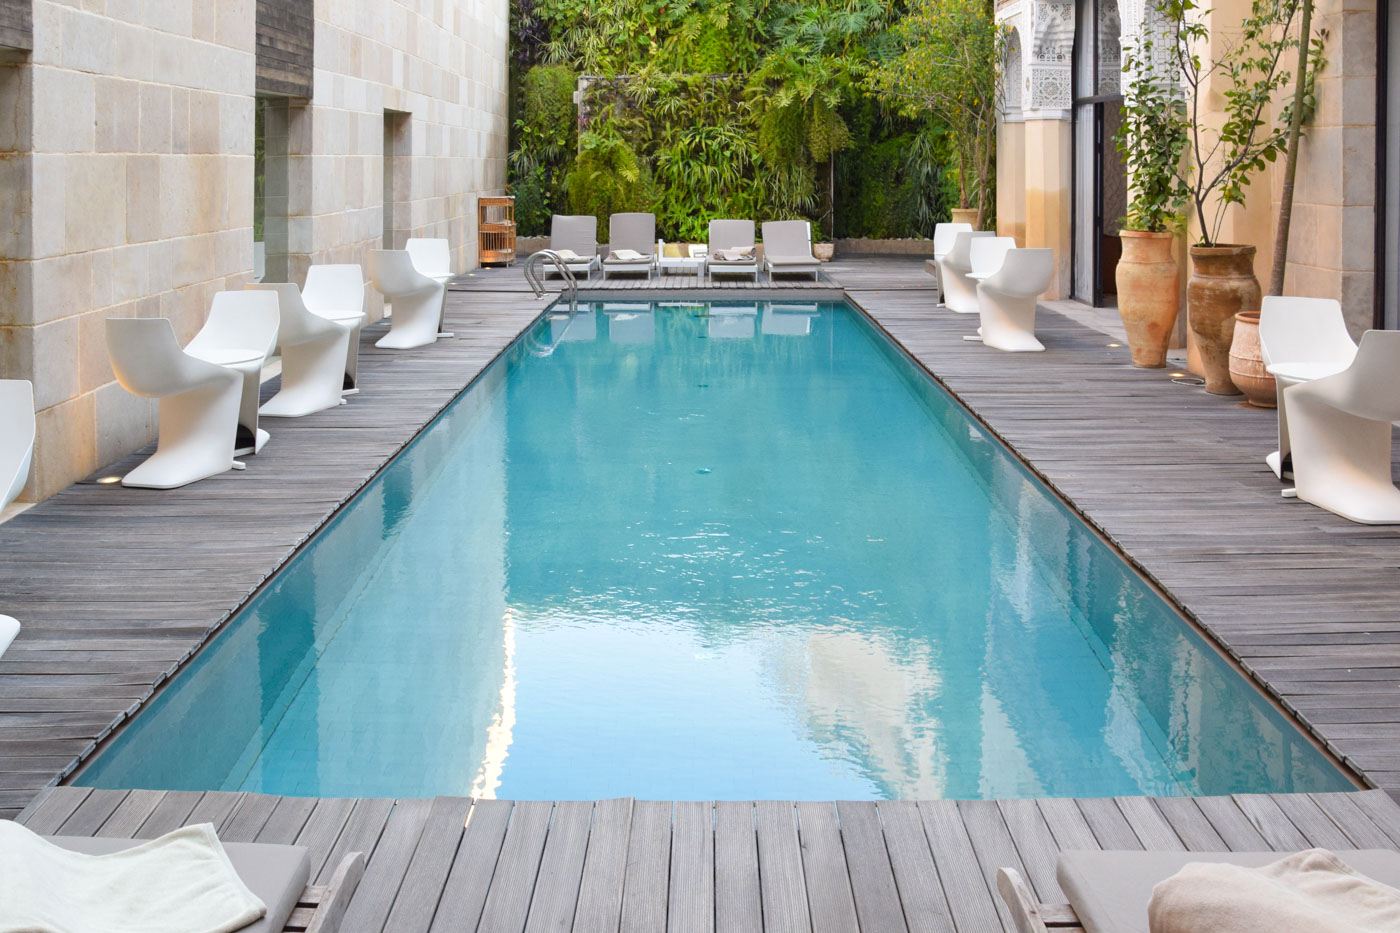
(250, 437)
(1342, 463)
(1279, 461)
(351, 382)
(312, 376)
(1008, 323)
(9, 628)
(415, 320)
(960, 293)
(197, 430)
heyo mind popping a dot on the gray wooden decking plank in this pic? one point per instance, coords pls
(970, 900)
(644, 890)
(824, 869)
(216, 807)
(248, 818)
(1109, 826)
(691, 897)
(599, 907)
(1353, 821)
(921, 890)
(464, 892)
(131, 813)
(1191, 825)
(561, 868)
(387, 864)
(1035, 845)
(170, 814)
(1148, 824)
(738, 902)
(1272, 823)
(1383, 811)
(781, 884)
(508, 898)
(995, 849)
(1232, 825)
(286, 821)
(1067, 824)
(1312, 822)
(49, 810)
(88, 818)
(868, 862)
(323, 829)
(417, 899)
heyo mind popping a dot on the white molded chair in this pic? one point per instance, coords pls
(1006, 298)
(199, 402)
(16, 454)
(313, 357)
(337, 293)
(433, 258)
(960, 292)
(943, 237)
(1341, 429)
(240, 334)
(417, 299)
(1300, 339)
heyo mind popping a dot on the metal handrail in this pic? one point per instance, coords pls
(560, 266)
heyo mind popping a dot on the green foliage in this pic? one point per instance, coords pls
(607, 178)
(548, 115)
(545, 140)
(1152, 137)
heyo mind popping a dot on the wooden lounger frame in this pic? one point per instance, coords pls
(321, 906)
(1029, 915)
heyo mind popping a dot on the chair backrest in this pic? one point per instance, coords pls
(16, 436)
(1304, 330)
(1023, 273)
(245, 320)
(787, 238)
(431, 256)
(943, 235)
(335, 290)
(985, 254)
(392, 272)
(730, 234)
(148, 361)
(577, 232)
(633, 231)
(960, 255)
(1370, 386)
(296, 322)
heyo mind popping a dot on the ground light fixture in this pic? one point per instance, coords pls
(109, 480)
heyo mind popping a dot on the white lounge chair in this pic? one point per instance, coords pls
(575, 235)
(1300, 339)
(199, 402)
(787, 248)
(628, 234)
(313, 357)
(732, 323)
(728, 235)
(240, 334)
(786, 319)
(433, 258)
(1341, 431)
(1006, 297)
(959, 292)
(943, 237)
(416, 298)
(630, 322)
(337, 293)
(16, 454)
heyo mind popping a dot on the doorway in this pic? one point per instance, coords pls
(1100, 180)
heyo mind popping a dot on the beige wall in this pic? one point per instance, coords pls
(126, 177)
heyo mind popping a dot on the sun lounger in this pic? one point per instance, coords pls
(1108, 891)
(787, 248)
(575, 239)
(732, 249)
(631, 244)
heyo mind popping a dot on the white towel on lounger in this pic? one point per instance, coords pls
(1307, 892)
(182, 882)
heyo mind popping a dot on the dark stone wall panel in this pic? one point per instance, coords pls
(286, 31)
(17, 24)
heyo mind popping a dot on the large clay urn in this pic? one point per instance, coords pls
(1222, 285)
(965, 215)
(1148, 294)
(1247, 369)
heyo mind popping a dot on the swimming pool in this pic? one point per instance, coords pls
(705, 550)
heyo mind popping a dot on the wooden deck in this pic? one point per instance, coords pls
(453, 864)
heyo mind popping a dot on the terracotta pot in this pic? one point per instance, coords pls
(824, 251)
(1247, 363)
(1149, 291)
(965, 215)
(1222, 285)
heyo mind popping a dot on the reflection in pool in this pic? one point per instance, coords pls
(703, 550)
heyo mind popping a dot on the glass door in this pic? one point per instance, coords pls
(1100, 183)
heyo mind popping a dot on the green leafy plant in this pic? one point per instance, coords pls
(1153, 135)
(607, 177)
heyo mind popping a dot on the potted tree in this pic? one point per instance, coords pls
(1222, 158)
(1152, 139)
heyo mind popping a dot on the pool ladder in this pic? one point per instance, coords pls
(536, 283)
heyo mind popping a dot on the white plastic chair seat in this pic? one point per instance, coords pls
(17, 427)
(417, 300)
(1304, 371)
(943, 237)
(1342, 434)
(1006, 297)
(958, 291)
(9, 628)
(199, 402)
(432, 256)
(313, 357)
(336, 291)
(240, 334)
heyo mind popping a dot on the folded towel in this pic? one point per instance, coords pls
(568, 255)
(735, 253)
(1307, 892)
(180, 883)
(625, 255)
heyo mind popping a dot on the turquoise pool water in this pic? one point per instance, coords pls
(709, 551)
